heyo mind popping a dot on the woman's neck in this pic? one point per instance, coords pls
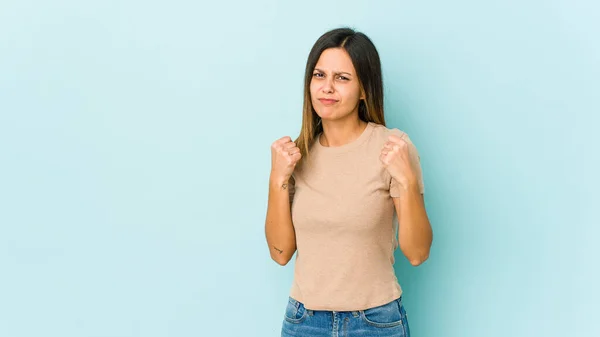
(341, 132)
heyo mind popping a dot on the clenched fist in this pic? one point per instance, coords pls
(284, 156)
(398, 160)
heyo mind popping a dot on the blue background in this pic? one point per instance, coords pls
(134, 161)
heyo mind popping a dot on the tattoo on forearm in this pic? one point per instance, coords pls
(284, 186)
(277, 249)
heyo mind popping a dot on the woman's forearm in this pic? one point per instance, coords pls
(279, 229)
(414, 233)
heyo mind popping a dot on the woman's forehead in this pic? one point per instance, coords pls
(335, 60)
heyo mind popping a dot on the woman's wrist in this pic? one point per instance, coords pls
(278, 180)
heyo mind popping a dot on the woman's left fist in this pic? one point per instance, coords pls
(396, 158)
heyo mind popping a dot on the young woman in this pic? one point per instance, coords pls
(332, 196)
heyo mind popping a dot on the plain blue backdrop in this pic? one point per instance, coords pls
(134, 161)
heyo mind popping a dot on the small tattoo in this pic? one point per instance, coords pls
(284, 186)
(279, 250)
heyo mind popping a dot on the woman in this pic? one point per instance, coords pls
(332, 197)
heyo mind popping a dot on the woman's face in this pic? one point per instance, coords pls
(334, 88)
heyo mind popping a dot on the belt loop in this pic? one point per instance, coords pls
(355, 313)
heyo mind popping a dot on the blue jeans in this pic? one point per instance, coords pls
(388, 320)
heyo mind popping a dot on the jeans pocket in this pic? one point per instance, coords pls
(295, 312)
(384, 316)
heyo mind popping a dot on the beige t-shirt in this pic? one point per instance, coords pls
(343, 211)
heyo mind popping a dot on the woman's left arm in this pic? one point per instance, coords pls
(399, 156)
(415, 235)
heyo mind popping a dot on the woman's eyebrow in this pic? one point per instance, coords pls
(335, 72)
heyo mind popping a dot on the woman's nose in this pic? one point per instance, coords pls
(328, 87)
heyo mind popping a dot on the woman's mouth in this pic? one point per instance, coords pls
(327, 101)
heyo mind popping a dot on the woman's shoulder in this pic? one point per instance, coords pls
(383, 132)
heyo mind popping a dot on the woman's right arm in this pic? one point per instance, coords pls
(281, 237)
(279, 229)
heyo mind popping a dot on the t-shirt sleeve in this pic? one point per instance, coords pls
(414, 154)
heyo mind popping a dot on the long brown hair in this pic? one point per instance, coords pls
(367, 64)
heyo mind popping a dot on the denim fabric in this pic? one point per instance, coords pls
(388, 320)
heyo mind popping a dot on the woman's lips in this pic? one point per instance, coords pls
(327, 101)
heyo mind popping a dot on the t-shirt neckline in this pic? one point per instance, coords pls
(348, 146)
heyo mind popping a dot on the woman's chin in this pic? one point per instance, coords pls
(327, 114)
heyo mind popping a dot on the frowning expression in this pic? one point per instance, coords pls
(335, 88)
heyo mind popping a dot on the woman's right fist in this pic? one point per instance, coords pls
(284, 156)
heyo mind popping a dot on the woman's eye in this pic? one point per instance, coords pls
(343, 78)
(317, 74)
